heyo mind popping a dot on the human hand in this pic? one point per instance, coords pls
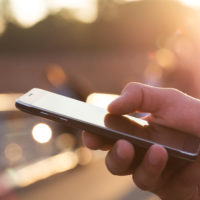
(168, 107)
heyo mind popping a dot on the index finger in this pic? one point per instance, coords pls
(137, 96)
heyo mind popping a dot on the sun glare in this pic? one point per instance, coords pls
(27, 13)
(191, 3)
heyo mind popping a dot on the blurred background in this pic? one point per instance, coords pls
(88, 50)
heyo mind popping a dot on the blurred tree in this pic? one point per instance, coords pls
(107, 10)
(133, 26)
(5, 14)
(5, 9)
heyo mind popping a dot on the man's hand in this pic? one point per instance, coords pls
(167, 107)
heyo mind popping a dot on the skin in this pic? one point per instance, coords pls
(167, 178)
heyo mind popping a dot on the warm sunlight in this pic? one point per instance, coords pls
(27, 13)
(191, 3)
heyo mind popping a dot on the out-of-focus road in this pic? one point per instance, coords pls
(92, 182)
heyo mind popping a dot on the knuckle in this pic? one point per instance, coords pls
(173, 94)
(173, 91)
(132, 86)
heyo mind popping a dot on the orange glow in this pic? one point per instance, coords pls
(56, 76)
(165, 58)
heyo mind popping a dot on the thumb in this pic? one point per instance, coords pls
(137, 96)
(168, 107)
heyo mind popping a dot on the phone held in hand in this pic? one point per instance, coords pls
(97, 120)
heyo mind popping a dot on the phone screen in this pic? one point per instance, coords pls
(99, 117)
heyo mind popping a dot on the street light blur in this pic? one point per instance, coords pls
(85, 155)
(7, 101)
(13, 152)
(24, 176)
(56, 75)
(41, 133)
(165, 58)
(65, 141)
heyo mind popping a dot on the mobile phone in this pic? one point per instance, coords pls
(97, 120)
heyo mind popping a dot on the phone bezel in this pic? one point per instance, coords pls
(105, 132)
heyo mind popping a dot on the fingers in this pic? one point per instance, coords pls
(188, 178)
(119, 159)
(148, 174)
(137, 96)
(95, 142)
(168, 107)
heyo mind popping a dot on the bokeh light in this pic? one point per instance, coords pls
(13, 152)
(84, 155)
(28, 13)
(65, 141)
(56, 75)
(165, 58)
(6, 101)
(41, 133)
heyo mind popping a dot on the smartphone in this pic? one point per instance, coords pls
(97, 120)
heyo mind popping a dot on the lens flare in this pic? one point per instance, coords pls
(41, 133)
